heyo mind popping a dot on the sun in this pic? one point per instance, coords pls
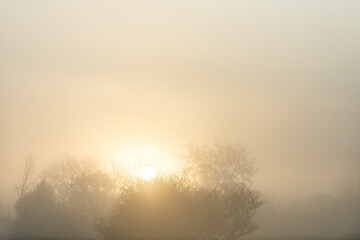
(148, 173)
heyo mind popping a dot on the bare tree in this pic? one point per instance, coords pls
(63, 174)
(121, 177)
(222, 164)
(82, 183)
(25, 182)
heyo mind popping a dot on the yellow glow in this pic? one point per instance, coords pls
(148, 173)
(136, 154)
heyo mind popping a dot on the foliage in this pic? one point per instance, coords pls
(171, 208)
(65, 203)
(33, 210)
(211, 199)
(39, 216)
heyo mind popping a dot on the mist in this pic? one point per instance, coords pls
(105, 79)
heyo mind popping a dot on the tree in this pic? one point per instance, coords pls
(172, 208)
(63, 175)
(212, 199)
(83, 186)
(33, 214)
(24, 185)
(92, 193)
(40, 216)
(222, 164)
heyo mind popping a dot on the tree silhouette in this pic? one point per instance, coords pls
(222, 164)
(40, 216)
(63, 175)
(24, 185)
(211, 199)
(171, 208)
(33, 214)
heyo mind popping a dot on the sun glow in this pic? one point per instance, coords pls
(145, 160)
(148, 173)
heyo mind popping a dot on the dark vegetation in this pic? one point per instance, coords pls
(170, 208)
(77, 199)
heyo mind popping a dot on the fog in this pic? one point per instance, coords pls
(103, 79)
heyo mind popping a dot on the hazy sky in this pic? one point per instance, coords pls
(105, 78)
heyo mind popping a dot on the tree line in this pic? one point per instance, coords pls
(211, 198)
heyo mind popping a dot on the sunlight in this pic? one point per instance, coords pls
(146, 160)
(135, 154)
(148, 173)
